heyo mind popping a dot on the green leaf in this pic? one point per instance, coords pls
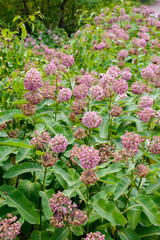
(76, 230)
(5, 151)
(148, 231)
(134, 216)
(22, 154)
(14, 142)
(103, 129)
(22, 168)
(38, 235)
(16, 18)
(115, 167)
(64, 175)
(45, 203)
(109, 212)
(60, 234)
(149, 209)
(128, 234)
(121, 187)
(23, 28)
(53, 126)
(153, 187)
(16, 199)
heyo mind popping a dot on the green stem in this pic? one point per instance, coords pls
(43, 189)
(88, 208)
(89, 135)
(71, 235)
(139, 185)
(56, 110)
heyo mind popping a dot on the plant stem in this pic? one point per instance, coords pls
(88, 210)
(89, 135)
(139, 185)
(71, 235)
(43, 189)
(56, 110)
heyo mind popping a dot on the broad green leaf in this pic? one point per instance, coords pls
(76, 230)
(128, 234)
(5, 151)
(115, 167)
(45, 203)
(22, 168)
(133, 216)
(14, 142)
(60, 234)
(16, 199)
(121, 187)
(53, 126)
(103, 129)
(153, 187)
(64, 175)
(4, 210)
(109, 212)
(149, 209)
(38, 235)
(148, 231)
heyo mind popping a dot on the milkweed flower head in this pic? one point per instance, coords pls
(113, 71)
(126, 75)
(91, 120)
(41, 140)
(89, 157)
(51, 68)
(146, 114)
(142, 170)
(58, 144)
(9, 228)
(95, 236)
(122, 54)
(145, 101)
(120, 86)
(67, 60)
(28, 109)
(64, 94)
(33, 80)
(96, 92)
(89, 176)
(80, 91)
(154, 146)
(47, 90)
(131, 141)
(34, 97)
(138, 88)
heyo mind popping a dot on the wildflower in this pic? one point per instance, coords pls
(58, 144)
(131, 141)
(120, 86)
(51, 68)
(95, 236)
(115, 111)
(28, 109)
(96, 92)
(147, 73)
(91, 120)
(32, 80)
(80, 91)
(113, 71)
(78, 106)
(89, 157)
(88, 80)
(47, 90)
(48, 160)
(9, 228)
(75, 153)
(40, 140)
(142, 170)
(154, 146)
(79, 133)
(126, 75)
(145, 101)
(67, 60)
(89, 176)
(34, 97)
(138, 88)
(64, 94)
(146, 114)
(2, 126)
(122, 54)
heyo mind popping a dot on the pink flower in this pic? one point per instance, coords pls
(131, 141)
(58, 144)
(126, 75)
(138, 88)
(95, 236)
(32, 80)
(67, 60)
(40, 139)
(80, 91)
(113, 71)
(154, 146)
(146, 114)
(122, 54)
(89, 157)
(120, 86)
(96, 92)
(64, 94)
(145, 101)
(91, 120)
(51, 68)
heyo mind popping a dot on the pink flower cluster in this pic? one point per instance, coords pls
(89, 157)
(122, 54)
(146, 114)
(47, 90)
(96, 92)
(95, 236)
(87, 79)
(142, 170)
(32, 80)
(40, 140)
(80, 91)
(58, 144)
(64, 94)
(113, 71)
(99, 46)
(120, 86)
(145, 101)
(67, 60)
(51, 68)
(91, 120)
(131, 141)
(126, 75)
(154, 146)
(34, 97)
(9, 228)
(138, 88)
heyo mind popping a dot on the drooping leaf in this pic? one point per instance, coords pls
(16, 199)
(60, 234)
(22, 168)
(133, 216)
(45, 203)
(128, 234)
(121, 187)
(144, 232)
(109, 212)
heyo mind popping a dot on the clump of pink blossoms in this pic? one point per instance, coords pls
(67, 60)
(89, 157)
(51, 68)
(154, 146)
(58, 144)
(142, 170)
(96, 93)
(64, 94)
(120, 86)
(40, 139)
(34, 97)
(145, 101)
(9, 228)
(122, 54)
(80, 91)
(91, 120)
(95, 236)
(138, 88)
(146, 114)
(126, 75)
(131, 141)
(32, 80)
